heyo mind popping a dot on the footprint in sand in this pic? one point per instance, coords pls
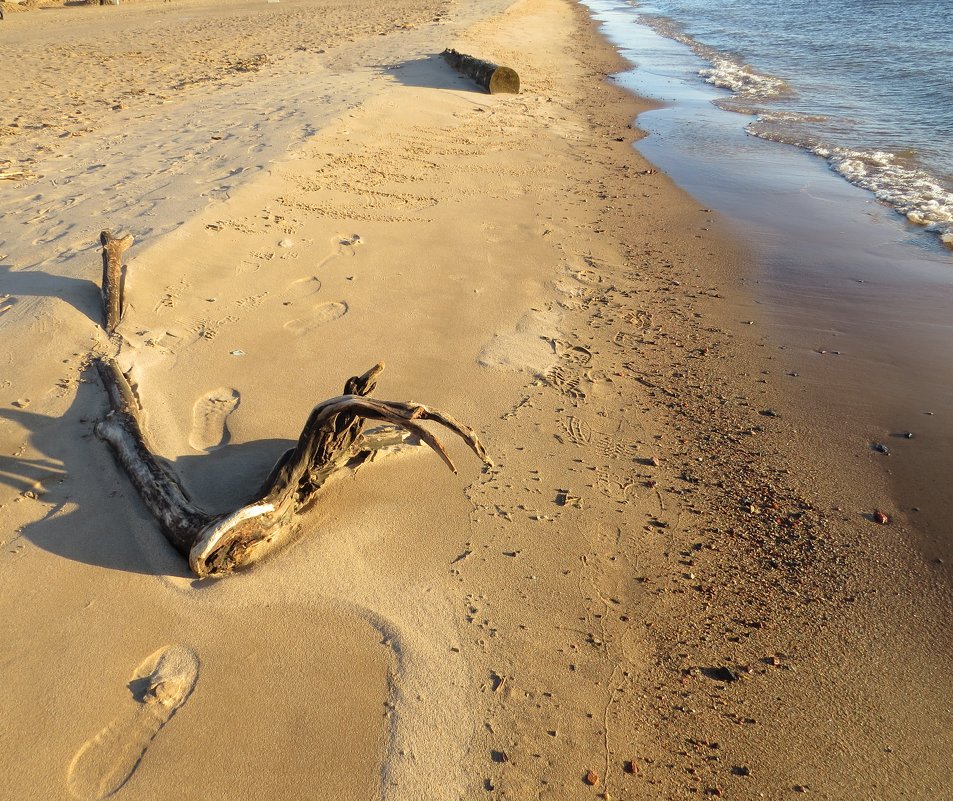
(209, 427)
(301, 289)
(160, 685)
(319, 315)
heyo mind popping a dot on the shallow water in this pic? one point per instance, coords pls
(863, 84)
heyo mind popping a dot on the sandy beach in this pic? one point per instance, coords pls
(666, 586)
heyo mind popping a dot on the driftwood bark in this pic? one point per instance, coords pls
(332, 438)
(492, 77)
(113, 249)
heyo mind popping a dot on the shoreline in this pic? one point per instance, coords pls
(571, 611)
(838, 275)
(915, 567)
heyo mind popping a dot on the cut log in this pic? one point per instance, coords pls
(112, 289)
(332, 438)
(492, 77)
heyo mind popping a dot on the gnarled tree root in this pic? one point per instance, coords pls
(332, 437)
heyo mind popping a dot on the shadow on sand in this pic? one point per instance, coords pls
(430, 72)
(94, 515)
(81, 294)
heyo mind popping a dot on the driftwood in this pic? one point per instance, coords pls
(492, 77)
(16, 175)
(113, 249)
(332, 438)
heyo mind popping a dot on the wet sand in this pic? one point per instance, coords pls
(649, 594)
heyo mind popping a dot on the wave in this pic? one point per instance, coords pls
(911, 191)
(726, 71)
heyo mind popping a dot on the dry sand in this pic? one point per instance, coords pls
(652, 589)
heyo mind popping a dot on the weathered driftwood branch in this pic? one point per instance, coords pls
(113, 249)
(492, 77)
(331, 438)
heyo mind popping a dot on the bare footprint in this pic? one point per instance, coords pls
(319, 315)
(160, 685)
(209, 426)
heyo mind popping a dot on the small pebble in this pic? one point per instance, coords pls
(592, 778)
(881, 517)
(721, 674)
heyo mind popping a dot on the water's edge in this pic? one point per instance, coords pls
(856, 299)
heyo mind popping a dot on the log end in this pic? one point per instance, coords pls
(231, 541)
(117, 244)
(504, 80)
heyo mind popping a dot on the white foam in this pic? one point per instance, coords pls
(910, 190)
(913, 192)
(726, 72)
(742, 79)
